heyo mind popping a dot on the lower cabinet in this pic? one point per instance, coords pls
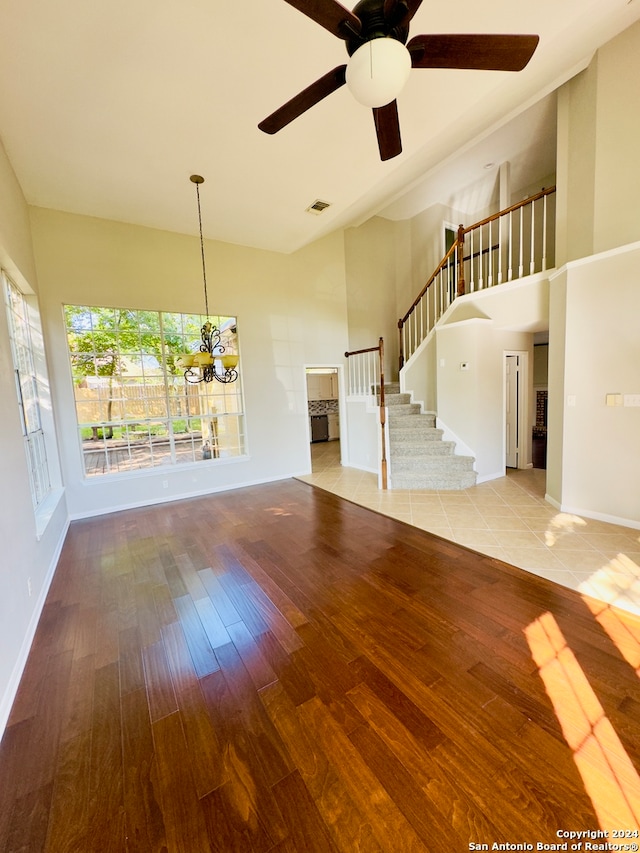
(334, 426)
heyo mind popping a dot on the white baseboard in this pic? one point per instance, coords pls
(596, 516)
(462, 449)
(183, 496)
(553, 502)
(484, 478)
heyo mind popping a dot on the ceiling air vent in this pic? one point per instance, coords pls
(318, 206)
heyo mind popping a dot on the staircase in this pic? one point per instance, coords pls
(418, 457)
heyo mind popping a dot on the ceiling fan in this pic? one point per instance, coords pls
(376, 34)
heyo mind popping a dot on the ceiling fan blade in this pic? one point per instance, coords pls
(303, 101)
(481, 52)
(388, 130)
(331, 15)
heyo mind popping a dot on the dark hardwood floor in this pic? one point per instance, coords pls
(276, 669)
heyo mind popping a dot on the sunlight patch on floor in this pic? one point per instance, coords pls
(609, 776)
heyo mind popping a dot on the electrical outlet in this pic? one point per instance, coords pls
(165, 484)
(30, 590)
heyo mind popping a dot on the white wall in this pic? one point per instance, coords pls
(363, 449)
(471, 401)
(600, 462)
(291, 310)
(617, 169)
(373, 273)
(593, 457)
(24, 556)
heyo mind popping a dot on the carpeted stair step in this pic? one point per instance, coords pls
(438, 481)
(403, 448)
(395, 400)
(432, 464)
(411, 419)
(402, 409)
(418, 457)
(417, 435)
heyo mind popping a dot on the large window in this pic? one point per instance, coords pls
(135, 409)
(28, 352)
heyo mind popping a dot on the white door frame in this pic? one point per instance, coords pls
(522, 413)
(341, 405)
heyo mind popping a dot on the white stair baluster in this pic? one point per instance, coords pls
(521, 263)
(544, 232)
(490, 259)
(532, 256)
(500, 230)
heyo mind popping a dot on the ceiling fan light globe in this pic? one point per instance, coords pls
(377, 71)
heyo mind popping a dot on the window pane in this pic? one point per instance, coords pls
(25, 335)
(136, 408)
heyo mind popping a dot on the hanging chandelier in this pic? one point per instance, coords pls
(211, 361)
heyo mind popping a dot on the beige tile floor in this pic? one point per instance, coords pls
(507, 518)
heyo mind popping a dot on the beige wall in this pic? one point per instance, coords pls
(576, 156)
(471, 402)
(373, 268)
(24, 557)
(617, 167)
(291, 311)
(598, 172)
(597, 468)
(594, 349)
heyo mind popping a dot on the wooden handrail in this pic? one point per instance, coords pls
(457, 251)
(381, 407)
(361, 351)
(511, 209)
(440, 267)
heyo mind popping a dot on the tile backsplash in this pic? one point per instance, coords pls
(322, 407)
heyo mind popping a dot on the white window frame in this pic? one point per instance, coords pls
(22, 332)
(125, 441)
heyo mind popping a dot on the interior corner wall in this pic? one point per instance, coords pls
(291, 311)
(600, 454)
(598, 171)
(556, 384)
(617, 166)
(471, 405)
(593, 302)
(576, 166)
(427, 245)
(373, 268)
(27, 562)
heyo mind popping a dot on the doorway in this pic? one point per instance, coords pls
(515, 383)
(323, 385)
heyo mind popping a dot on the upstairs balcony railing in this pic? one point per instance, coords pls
(509, 245)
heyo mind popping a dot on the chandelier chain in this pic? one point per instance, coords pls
(204, 269)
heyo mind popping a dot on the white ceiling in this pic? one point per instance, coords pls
(107, 108)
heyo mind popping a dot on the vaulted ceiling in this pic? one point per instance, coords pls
(106, 109)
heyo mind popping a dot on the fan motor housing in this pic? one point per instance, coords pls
(374, 25)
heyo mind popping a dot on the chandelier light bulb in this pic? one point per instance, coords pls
(377, 71)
